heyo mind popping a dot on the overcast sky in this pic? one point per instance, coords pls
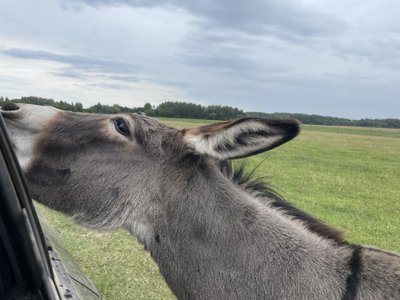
(338, 58)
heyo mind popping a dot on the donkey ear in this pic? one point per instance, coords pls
(240, 138)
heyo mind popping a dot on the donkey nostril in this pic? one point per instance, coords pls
(10, 106)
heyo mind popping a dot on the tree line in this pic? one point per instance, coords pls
(195, 111)
(71, 106)
(166, 109)
(329, 121)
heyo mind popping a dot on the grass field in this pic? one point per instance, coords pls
(355, 130)
(348, 177)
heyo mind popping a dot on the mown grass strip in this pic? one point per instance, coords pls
(385, 132)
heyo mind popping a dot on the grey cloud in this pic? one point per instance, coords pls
(7, 81)
(267, 17)
(232, 56)
(81, 62)
(126, 78)
(294, 93)
(69, 73)
(220, 61)
(225, 33)
(272, 55)
(382, 51)
(255, 17)
(112, 86)
(77, 74)
(239, 67)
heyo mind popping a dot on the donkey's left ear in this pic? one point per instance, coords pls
(240, 138)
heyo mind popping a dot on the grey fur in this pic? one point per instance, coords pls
(267, 195)
(210, 237)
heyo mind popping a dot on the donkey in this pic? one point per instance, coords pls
(211, 235)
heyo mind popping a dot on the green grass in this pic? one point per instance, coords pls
(348, 177)
(114, 261)
(386, 132)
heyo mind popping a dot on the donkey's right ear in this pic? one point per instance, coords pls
(240, 138)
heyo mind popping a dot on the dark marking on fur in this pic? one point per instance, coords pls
(189, 159)
(10, 106)
(115, 193)
(157, 238)
(45, 175)
(199, 232)
(249, 216)
(71, 133)
(225, 147)
(353, 280)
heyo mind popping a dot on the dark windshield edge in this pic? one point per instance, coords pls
(27, 223)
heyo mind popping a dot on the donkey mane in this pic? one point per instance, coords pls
(266, 194)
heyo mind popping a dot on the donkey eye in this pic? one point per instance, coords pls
(121, 126)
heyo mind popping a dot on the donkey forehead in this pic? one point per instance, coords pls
(37, 116)
(97, 127)
(79, 120)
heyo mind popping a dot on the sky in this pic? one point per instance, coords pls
(337, 58)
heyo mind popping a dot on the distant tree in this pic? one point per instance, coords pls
(196, 111)
(148, 109)
(78, 107)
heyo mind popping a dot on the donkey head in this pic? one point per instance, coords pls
(110, 171)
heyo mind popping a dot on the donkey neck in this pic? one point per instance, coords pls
(214, 238)
(207, 198)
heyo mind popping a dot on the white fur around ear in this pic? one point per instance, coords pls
(240, 138)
